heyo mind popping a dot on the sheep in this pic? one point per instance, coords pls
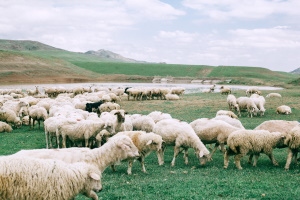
(38, 114)
(177, 90)
(284, 109)
(206, 91)
(232, 121)
(4, 127)
(226, 112)
(179, 134)
(33, 92)
(293, 142)
(31, 178)
(172, 97)
(225, 90)
(212, 88)
(260, 103)
(158, 116)
(15, 106)
(10, 117)
(254, 142)
(246, 103)
(114, 150)
(232, 104)
(277, 125)
(145, 142)
(143, 123)
(108, 106)
(252, 90)
(90, 106)
(270, 95)
(113, 121)
(82, 130)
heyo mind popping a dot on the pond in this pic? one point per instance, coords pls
(189, 88)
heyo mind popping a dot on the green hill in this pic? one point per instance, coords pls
(51, 64)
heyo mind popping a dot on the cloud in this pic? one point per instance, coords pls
(254, 9)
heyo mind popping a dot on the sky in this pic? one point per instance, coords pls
(256, 33)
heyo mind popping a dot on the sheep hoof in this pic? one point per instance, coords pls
(225, 167)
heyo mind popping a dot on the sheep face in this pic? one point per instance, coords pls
(203, 156)
(128, 148)
(94, 181)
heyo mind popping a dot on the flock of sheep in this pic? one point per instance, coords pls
(91, 132)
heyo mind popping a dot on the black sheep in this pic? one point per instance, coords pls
(89, 106)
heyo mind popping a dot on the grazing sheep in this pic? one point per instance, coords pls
(283, 110)
(158, 116)
(226, 112)
(293, 142)
(232, 104)
(254, 142)
(4, 127)
(38, 114)
(145, 142)
(246, 103)
(225, 90)
(252, 90)
(277, 125)
(179, 134)
(15, 106)
(90, 106)
(177, 90)
(172, 97)
(206, 91)
(31, 178)
(10, 117)
(214, 132)
(273, 95)
(143, 123)
(260, 104)
(233, 122)
(108, 106)
(114, 150)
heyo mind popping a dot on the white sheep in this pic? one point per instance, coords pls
(145, 142)
(4, 127)
(277, 125)
(108, 106)
(38, 114)
(246, 103)
(273, 95)
(114, 150)
(172, 97)
(206, 91)
(214, 132)
(293, 142)
(232, 121)
(158, 116)
(10, 117)
(254, 142)
(31, 178)
(284, 109)
(252, 90)
(179, 134)
(228, 113)
(232, 104)
(143, 123)
(260, 104)
(15, 106)
(225, 90)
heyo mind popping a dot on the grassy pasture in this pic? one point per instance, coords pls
(191, 181)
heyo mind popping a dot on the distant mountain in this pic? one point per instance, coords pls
(296, 71)
(111, 55)
(24, 45)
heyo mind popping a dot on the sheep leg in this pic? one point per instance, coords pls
(289, 159)
(86, 142)
(113, 168)
(250, 159)
(226, 160)
(130, 162)
(209, 157)
(47, 140)
(160, 155)
(255, 159)
(92, 195)
(185, 156)
(176, 152)
(272, 158)
(237, 160)
(64, 141)
(39, 124)
(142, 160)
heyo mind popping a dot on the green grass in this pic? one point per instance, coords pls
(191, 181)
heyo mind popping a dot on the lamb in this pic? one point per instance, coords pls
(179, 134)
(158, 116)
(114, 150)
(293, 142)
(284, 109)
(31, 178)
(82, 130)
(214, 132)
(4, 127)
(10, 117)
(226, 112)
(145, 142)
(273, 95)
(113, 121)
(143, 123)
(246, 103)
(232, 103)
(172, 97)
(277, 125)
(242, 142)
(38, 114)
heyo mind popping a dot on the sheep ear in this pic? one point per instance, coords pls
(201, 154)
(149, 142)
(94, 176)
(124, 147)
